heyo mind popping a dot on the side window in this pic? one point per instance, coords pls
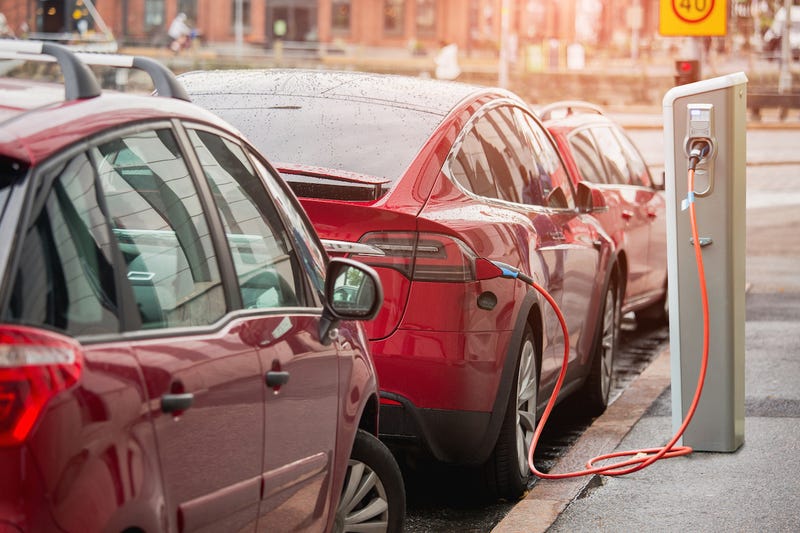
(312, 256)
(162, 232)
(262, 255)
(589, 163)
(552, 174)
(611, 151)
(514, 177)
(470, 167)
(65, 277)
(640, 175)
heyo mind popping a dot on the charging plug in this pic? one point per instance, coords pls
(699, 149)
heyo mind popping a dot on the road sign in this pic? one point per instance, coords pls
(693, 17)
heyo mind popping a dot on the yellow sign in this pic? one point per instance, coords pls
(693, 17)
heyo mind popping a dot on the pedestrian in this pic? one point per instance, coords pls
(447, 62)
(5, 30)
(180, 32)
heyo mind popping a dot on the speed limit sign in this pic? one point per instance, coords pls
(693, 17)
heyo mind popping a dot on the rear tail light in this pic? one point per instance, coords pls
(421, 256)
(35, 366)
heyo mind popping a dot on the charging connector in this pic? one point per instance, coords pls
(698, 150)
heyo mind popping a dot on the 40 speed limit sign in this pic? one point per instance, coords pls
(693, 17)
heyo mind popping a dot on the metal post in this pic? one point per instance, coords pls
(502, 71)
(238, 28)
(785, 78)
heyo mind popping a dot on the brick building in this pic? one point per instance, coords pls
(422, 24)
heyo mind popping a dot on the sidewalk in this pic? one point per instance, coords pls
(752, 489)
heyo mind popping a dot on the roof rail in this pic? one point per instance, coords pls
(79, 80)
(569, 107)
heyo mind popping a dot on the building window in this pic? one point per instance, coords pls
(426, 18)
(340, 22)
(153, 14)
(393, 15)
(245, 15)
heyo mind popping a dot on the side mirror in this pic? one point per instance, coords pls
(353, 291)
(590, 199)
(557, 199)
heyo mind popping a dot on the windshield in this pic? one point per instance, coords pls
(360, 137)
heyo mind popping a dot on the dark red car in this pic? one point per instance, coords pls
(428, 182)
(599, 153)
(177, 353)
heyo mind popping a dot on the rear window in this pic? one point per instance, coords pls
(361, 137)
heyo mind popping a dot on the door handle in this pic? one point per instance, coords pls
(175, 403)
(277, 378)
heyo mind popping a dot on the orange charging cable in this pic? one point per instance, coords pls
(644, 457)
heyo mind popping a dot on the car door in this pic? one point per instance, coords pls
(203, 377)
(629, 213)
(279, 268)
(573, 238)
(654, 205)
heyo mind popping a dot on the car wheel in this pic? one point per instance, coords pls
(506, 472)
(597, 387)
(373, 497)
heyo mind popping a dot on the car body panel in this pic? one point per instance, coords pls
(636, 210)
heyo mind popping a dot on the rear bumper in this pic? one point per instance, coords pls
(458, 437)
(439, 392)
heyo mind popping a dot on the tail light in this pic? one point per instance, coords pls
(421, 256)
(35, 366)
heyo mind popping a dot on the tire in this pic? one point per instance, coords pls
(506, 472)
(597, 388)
(373, 497)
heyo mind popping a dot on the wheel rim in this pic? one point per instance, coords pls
(363, 506)
(609, 341)
(526, 404)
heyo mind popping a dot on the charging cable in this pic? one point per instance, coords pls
(643, 457)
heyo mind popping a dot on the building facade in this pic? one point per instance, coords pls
(474, 25)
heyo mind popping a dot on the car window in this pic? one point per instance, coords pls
(262, 254)
(552, 173)
(513, 175)
(65, 277)
(158, 220)
(639, 173)
(312, 257)
(615, 162)
(470, 167)
(588, 160)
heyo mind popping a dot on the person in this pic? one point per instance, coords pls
(5, 30)
(179, 31)
(447, 62)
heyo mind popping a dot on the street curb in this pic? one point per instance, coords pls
(547, 500)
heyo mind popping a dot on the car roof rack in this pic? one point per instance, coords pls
(569, 107)
(80, 82)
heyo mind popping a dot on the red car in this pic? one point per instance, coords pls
(177, 353)
(429, 182)
(598, 152)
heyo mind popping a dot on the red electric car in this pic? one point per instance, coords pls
(429, 182)
(177, 353)
(598, 152)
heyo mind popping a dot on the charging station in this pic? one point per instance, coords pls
(711, 114)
